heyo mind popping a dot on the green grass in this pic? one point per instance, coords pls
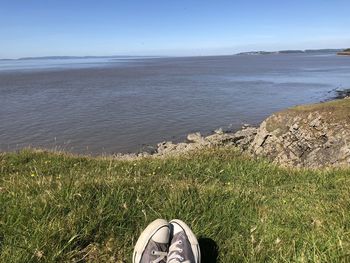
(61, 208)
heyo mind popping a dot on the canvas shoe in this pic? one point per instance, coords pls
(184, 247)
(153, 243)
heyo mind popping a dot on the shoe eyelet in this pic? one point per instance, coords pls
(180, 250)
(180, 241)
(153, 252)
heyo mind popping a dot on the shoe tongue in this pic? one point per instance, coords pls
(162, 236)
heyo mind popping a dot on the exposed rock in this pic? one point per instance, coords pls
(219, 131)
(341, 94)
(195, 141)
(195, 137)
(244, 137)
(241, 138)
(306, 136)
(166, 148)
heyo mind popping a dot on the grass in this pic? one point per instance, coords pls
(338, 107)
(61, 208)
(331, 111)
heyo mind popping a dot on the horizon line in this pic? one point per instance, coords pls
(206, 55)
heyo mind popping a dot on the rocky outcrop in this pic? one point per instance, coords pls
(306, 136)
(310, 136)
(196, 141)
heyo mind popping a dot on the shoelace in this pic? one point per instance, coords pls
(174, 256)
(162, 255)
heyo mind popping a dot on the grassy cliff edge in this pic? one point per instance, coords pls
(62, 208)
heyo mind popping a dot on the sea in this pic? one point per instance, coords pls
(108, 105)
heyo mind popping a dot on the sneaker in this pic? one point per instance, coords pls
(153, 243)
(184, 246)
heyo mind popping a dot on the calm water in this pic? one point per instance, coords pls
(120, 105)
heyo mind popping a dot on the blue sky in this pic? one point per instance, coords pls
(174, 27)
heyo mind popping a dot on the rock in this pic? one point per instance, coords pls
(144, 154)
(243, 138)
(195, 137)
(307, 136)
(316, 122)
(295, 126)
(219, 131)
(218, 139)
(196, 141)
(164, 147)
(310, 136)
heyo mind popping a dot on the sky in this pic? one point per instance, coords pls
(169, 27)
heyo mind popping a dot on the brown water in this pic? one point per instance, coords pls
(106, 107)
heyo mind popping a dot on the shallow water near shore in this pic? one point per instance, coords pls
(109, 105)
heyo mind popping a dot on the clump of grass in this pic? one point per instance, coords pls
(60, 208)
(340, 106)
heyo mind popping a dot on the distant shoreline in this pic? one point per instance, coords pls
(261, 52)
(292, 51)
(343, 53)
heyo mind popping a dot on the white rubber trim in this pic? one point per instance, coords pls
(191, 237)
(146, 235)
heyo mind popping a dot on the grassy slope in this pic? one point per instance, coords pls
(59, 208)
(339, 108)
(331, 111)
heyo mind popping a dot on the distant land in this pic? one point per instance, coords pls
(307, 51)
(345, 52)
(340, 51)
